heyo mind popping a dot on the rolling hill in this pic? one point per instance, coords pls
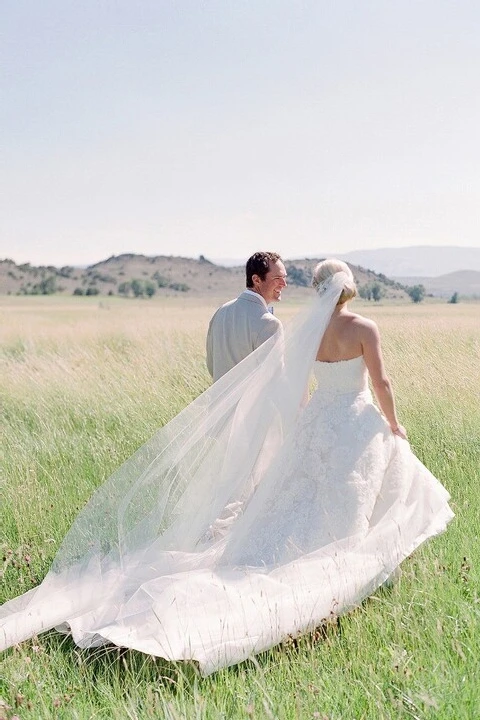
(139, 275)
(420, 261)
(465, 282)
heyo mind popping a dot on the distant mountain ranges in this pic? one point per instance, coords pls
(418, 261)
(465, 282)
(139, 275)
(132, 275)
(404, 262)
(441, 270)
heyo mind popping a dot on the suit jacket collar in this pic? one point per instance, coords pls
(254, 297)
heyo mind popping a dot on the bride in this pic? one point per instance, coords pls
(252, 515)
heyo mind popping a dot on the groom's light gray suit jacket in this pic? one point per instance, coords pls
(238, 328)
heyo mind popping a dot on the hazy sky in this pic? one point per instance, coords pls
(220, 127)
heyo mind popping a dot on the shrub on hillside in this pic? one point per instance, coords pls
(161, 280)
(298, 276)
(180, 287)
(416, 293)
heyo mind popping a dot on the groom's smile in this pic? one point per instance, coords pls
(275, 280)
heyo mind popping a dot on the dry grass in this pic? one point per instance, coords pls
(84, 383)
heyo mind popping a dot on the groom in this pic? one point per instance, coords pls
(240, 326)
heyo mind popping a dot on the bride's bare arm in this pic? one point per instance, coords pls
(372, 353)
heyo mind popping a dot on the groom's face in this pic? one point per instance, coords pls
(275, 280)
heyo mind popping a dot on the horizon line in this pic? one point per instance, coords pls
(216, 260)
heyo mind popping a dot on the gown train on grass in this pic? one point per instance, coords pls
(246, 519)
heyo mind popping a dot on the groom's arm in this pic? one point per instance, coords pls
(209, 347)
(270, 326)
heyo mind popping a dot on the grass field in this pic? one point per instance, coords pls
(84, 383)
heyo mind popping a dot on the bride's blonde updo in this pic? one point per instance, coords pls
(326, 269)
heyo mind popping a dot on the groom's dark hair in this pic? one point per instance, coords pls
(258, 264)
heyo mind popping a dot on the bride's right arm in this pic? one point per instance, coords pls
(372, 353)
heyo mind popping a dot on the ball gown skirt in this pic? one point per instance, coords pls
(344, 502)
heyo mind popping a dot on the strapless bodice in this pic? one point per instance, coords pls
(344, 376)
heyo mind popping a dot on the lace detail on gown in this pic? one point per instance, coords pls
(341, 505)
(330, 475)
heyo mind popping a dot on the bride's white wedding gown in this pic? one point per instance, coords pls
(343, 503)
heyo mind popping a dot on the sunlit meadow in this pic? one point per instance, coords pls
(83, 383)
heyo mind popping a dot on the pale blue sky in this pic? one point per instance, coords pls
(222, 127)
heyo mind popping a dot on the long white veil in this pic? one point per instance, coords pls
(179, 497)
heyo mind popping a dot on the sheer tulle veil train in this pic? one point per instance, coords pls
(152, 561)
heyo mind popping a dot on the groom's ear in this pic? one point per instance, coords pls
(256, 279)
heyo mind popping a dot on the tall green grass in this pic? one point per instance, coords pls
(83, 385)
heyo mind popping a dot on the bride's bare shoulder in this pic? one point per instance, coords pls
(363, 326)
(359, 320)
